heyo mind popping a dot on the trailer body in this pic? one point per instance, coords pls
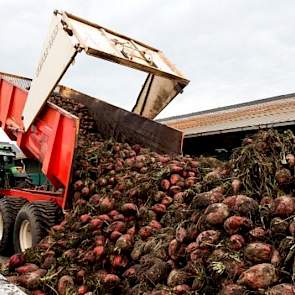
(51, 139)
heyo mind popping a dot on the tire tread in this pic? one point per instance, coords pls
(43, 214)
(10, 208)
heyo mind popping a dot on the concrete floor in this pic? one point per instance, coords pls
(5, 287)
(9, 289)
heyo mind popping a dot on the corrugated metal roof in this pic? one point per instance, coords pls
(19, 81)
(269, 112)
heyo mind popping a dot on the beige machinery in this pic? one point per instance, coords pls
(70, 36)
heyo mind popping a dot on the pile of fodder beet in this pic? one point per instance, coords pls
(144, 223)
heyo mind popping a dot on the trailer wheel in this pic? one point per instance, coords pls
(9, 207)
(32, 224)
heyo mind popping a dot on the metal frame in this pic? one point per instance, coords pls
(69, 35)
(34, 195)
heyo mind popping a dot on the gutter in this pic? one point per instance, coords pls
(238, 129)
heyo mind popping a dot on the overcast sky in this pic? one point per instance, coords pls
(232, 50)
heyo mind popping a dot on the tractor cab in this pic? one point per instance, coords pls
(12, 171)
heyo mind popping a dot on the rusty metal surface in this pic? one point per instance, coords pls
(271, 112)
(126, 126)
(156, 93)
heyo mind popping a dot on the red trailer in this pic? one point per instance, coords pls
(51, 140)
(49, 134)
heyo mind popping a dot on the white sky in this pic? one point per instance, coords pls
(232, 50)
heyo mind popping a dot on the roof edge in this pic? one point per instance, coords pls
(229, 107)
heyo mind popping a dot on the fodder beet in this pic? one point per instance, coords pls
(145, 223)
(259, 276)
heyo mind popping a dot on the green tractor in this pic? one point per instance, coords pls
(12, 171)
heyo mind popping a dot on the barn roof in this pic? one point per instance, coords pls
(263, 113)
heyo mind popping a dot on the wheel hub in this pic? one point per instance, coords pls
(25, 235)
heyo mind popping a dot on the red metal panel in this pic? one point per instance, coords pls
(12, 101)
(63, 152)
(18, 101)
(6, 90)
(32, 195)
(51, 138)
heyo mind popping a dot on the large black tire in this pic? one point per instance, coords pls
(41, 216)
(9, 208)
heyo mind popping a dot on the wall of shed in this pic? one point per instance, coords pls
(219, 145)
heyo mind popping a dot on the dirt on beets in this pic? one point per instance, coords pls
(145, 223)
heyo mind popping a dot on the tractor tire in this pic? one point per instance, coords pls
(9, 208)
(33, 222)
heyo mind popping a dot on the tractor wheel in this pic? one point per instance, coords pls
(32, 224)
(9, 207)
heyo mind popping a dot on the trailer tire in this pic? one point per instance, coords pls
(9, 208)
(33, 222)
